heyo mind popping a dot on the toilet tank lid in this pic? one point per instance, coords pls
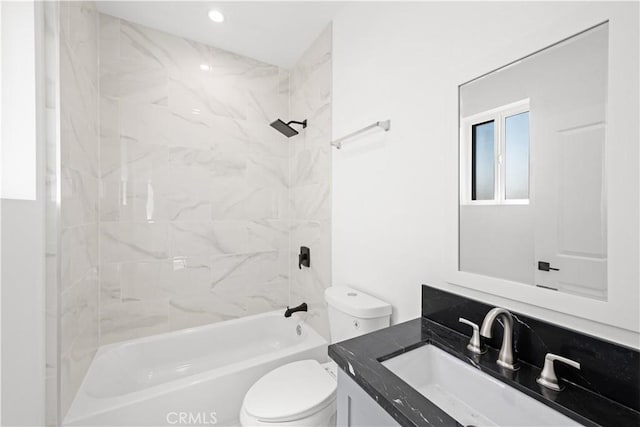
(356, 303)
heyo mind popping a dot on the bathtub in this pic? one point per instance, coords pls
(195, 376)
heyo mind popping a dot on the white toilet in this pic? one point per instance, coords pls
(303, 393)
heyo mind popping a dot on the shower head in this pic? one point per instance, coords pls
(286, 129)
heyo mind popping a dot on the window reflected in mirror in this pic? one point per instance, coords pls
(482, 161)
(516, 156)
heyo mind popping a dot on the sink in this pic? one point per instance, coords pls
(468, 395)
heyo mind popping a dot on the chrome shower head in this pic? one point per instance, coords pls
(286, 129)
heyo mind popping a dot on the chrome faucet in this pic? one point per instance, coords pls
(505, 357)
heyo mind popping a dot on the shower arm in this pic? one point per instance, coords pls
(303, 124)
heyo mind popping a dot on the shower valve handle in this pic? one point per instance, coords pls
(304, 257)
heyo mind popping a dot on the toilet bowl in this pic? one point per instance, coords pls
(303, 393)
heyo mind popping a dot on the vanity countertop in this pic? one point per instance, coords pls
(361, 359)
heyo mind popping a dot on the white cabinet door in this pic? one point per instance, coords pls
(356, 408)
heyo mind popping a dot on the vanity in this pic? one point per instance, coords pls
(421, 373)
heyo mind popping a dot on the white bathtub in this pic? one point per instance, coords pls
(195, 376)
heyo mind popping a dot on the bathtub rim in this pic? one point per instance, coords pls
(103, 349)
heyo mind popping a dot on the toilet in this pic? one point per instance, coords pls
(303, 393)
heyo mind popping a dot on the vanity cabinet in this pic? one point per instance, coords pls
(356, 408)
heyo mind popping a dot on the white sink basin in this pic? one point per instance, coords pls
(468, 395)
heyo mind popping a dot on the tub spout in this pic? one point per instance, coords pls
(290, 311)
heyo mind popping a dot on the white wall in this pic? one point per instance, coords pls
(497, 241)
(389, 193)
(0, 221)
(18, 73)
(23, 360)
(22, 223)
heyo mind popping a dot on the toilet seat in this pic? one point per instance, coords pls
(291, 392)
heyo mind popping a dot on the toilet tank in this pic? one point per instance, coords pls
(353, 313)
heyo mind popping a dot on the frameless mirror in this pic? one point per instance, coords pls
(532, 177)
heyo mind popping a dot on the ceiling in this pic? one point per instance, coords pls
(274, 32)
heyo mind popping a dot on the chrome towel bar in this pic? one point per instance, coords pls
(385, 125)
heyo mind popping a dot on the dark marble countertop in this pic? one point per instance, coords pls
(361, 359)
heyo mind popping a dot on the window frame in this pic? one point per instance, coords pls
(498, 116)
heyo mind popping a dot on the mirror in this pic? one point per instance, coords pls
(532, 201)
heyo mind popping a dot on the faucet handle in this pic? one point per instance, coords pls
(548, 376)
(474, 345)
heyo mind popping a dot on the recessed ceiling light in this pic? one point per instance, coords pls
(205, 67)
(216, 16)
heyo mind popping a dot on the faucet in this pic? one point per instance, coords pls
(290, 311)
(505, 357)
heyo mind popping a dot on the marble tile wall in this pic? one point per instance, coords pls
(51, 11)
(77, 259)
(310, 190)
(194, 203)
(178, 204)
